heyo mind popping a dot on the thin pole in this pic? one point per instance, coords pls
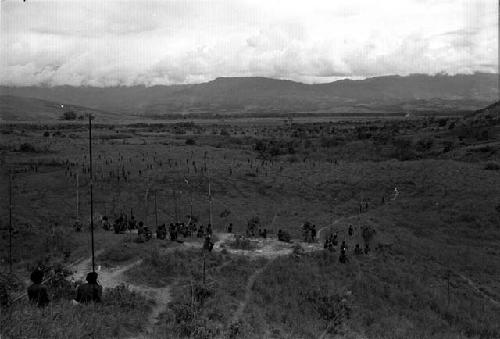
(91, 194)
(156, 211)
(10, 222)
(146, 206)
(190, 201)
(175, 207)
(203, 267)
(77, 199)
(210, 203)
(448, 279)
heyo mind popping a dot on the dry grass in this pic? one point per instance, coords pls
(120, 315)
(445, 218)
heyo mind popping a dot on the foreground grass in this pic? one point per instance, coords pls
(383, 296)
(198, 309)
(121, 314)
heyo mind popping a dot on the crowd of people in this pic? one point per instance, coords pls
(331, 242)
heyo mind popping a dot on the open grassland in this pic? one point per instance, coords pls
(434, 267)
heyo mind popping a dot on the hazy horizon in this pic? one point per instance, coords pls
(44, 85)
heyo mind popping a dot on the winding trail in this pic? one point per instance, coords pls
(112, 277)
(248, 293)
(478, 290)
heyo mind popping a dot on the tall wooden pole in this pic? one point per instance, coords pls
(10, 222)
(210, 203)
(146, 207)
(77, 198)
(175, 207)
(91, 194)
(190, 201)
(156, 211)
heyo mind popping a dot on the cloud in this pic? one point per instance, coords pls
(129, 42)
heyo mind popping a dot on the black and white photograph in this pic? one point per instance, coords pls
(320, 169)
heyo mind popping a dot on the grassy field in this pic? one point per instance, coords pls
(434, 266)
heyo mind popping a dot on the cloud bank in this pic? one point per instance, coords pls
(131, 42)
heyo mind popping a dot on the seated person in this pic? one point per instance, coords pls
(91, 291)
(37, 293)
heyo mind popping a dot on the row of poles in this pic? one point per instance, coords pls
(92, 203)
(77, 211)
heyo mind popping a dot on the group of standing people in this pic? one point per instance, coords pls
(309, 232)
(332, 241)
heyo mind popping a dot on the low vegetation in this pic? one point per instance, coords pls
(422, 191)
(120, 315)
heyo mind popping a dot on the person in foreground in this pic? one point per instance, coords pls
(37, 293)
(89, 292)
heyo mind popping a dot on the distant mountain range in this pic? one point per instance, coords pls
(253, 95)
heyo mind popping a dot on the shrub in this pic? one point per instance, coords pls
(403, 149)
(492, 166)
(27, 147)
(190, 141)
(69, 115)
(425, 144)
(327, 142)
(284, 236)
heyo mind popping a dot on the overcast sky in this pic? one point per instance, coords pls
(128, 42)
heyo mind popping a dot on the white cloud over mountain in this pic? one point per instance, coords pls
(127, 42)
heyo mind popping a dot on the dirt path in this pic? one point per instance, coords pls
(112, 277)
(478, 290)
(248, 293)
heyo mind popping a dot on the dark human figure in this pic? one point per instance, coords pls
(201, 231)
(357, 250)
(367, 248)
(105, 223)
(209, 229)
(77, 226)
(131, 223)
(343, 256)
(343, 246)
(161, 232)
(140, 229)
(343, 253)
(230, 228)
(335, 240)
(264, 233)
(148, 234)
(208, 245)
(91, 291)
(313, 233)
(350, 230)
(117, 225)
(37, 293)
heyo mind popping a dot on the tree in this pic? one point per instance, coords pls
(69, 115)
